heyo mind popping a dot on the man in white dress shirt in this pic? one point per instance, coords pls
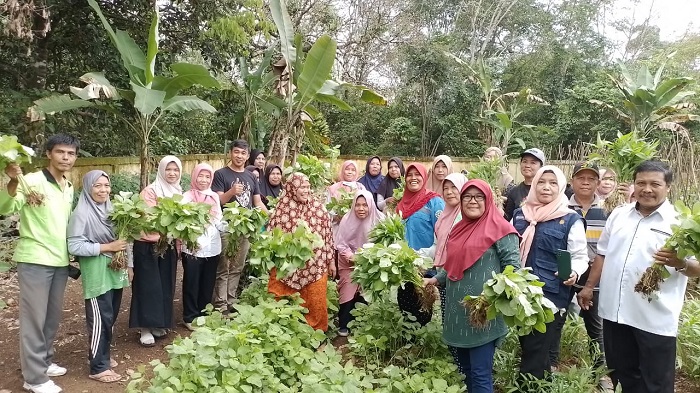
(640, 334)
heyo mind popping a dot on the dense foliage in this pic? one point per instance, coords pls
(425, 55)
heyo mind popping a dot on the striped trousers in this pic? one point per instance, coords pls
(101, 314)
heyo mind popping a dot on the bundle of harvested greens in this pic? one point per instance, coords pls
(490, 171)
(517, 296)
(173, 220)
(318, 172)
(685, 240)
(622, 156)
(397, 194)
(129, 217)
(379, 268)
(12, 152)
(388, 231)
(341, 204)
(284, 251)
(242, 222)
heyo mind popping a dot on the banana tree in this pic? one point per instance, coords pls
(499, 112)
(256, 95)
(501, 119)
(152, 96)
(651, 102)
(303, 79)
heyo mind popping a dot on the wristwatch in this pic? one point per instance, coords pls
(684, 268)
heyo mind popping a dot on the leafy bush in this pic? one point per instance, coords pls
(266, 348)
(688, 359)
(575, 374)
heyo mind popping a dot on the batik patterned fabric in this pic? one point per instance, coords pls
(286, 216)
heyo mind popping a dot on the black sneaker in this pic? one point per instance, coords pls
(343, 332)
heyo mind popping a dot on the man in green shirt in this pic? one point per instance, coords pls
(42, 258)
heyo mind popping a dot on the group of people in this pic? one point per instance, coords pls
(471, 233)
(467, 230)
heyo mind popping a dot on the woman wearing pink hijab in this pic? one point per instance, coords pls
(199, 265)
(352, 234)
(348, 182)
(547, 226)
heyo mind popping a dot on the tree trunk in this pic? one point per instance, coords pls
(41, 25)
(144, 162)
(277, 151)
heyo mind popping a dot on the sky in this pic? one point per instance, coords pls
(674, 17)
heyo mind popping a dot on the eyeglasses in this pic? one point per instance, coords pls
(477, 197)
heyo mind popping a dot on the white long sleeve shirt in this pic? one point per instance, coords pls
(628, 244)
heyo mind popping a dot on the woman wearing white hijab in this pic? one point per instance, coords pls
(153, 285)
(91, 238)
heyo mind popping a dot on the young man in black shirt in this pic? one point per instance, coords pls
(531, 160)
(234, 183)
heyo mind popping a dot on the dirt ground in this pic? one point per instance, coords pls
(71, 343)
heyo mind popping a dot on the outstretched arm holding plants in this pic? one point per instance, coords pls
(683, 243)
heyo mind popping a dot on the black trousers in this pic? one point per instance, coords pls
(153, 287)
(198, 279)
(594, 328)
(640, 361)
(536, 346)
(101, 314)
(344, 309)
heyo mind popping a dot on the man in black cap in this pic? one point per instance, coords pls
(531, 160)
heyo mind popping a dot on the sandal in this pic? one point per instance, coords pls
(158, 332)
(107, 376)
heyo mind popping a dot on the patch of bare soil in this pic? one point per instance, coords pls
(71, 342)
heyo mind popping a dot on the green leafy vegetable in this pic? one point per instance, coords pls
(397, 194)
(173, 219)
(242, 222)
(685, 240)
(622, 156)
(489, 170)
(388, 231)
(341, 204)
(318, 172)
(379, 268)
(11, 151)
(128, 216)
(515, 295)
(285, 251)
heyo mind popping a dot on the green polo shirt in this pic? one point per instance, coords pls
(42, 229)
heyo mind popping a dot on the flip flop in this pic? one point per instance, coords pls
(107, 376)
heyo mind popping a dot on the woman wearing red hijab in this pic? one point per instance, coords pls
(420, 209)
(481, 243)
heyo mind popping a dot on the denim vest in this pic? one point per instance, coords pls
(550, 236)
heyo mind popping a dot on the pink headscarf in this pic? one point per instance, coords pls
(352, 231)
(536, 212)
(432, 183)
(205, 196)
(352, 185)
(444, 224)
